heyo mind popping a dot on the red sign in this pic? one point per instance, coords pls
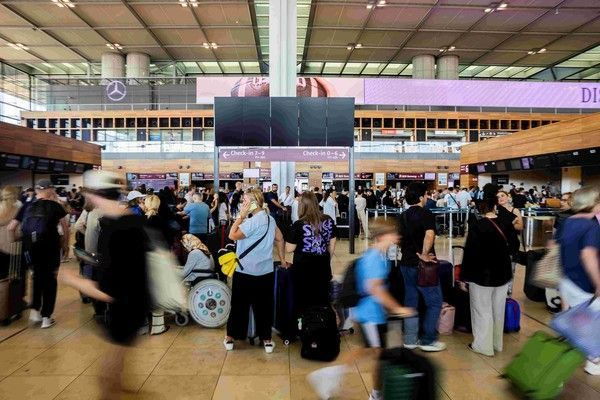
(464, 169)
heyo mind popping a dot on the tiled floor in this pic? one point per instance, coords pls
(190, 363)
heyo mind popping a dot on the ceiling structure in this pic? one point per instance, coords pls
(512, 39)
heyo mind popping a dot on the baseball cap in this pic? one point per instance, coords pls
(44, 184)
(134, 194)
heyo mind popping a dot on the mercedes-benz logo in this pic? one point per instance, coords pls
(116, 91)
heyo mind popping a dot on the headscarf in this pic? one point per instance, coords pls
(191, 242)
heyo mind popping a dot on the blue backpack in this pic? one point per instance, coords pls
(35, 223)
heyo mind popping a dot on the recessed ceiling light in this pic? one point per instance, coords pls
(451, 48)
(502, 6)
(63, 3)
(18, 46)
(349, 47)
(488, 10)
(369, 6)
(541, 50)
(381, 3)
(531, 52)
(358, 45)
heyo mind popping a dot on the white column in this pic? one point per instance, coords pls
(570, 179)
(447, 67)
(138, 66)
(113, 66)
(423, 66)
(282, 71)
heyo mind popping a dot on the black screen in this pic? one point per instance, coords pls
(79, 168)
(27, 162)
(340, 122)
(59, 166)
(284, 121)
(228, 129)
(313, 121)
(256, 113)
(12, 161)
(564, 159)
(515, 164)
(543, 161)
(501, 166)
(59, 180)
(43, 164)
(490, 167)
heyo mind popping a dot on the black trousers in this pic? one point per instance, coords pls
(45, 261)
(256, 291)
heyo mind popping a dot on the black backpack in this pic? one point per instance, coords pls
(35, 225)
(319, 334)
(349, 296)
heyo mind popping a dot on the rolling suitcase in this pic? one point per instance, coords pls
(407, 375)
(252, 337)
(284, 318)
(12, 288)
(512, 316)
(319, 334)
(543, 366)
(446, 271)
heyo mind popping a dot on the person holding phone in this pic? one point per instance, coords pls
(254, 279)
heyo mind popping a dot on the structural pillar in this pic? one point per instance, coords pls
(570, 179)
(447, 67)
(423, 66)
(138, 66)
(113, 66)
(282, 71)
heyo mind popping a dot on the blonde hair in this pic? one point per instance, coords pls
(585, 199)
(152, 203)
(191, 242)
(8, 203)
(382, 227)
(256, 195)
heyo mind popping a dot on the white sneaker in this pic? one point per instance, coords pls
(435, 346)
(375, 395)
(592, 367)
(34, 316)
(47, 322)
(326, 381)
(410, 346)
(228, 345)
(269, 347)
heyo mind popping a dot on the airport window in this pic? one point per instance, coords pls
(473, 136)
(399, 123)
(197, 122)
(152, 122)
(186, 122)
(64, 132)
(484, 124)
(86, 135)
(462, 124)
(197, 134)
(473, 124)
(421, 136)
(366, 122)
(76, 134)
(175, 122)
(514, 124)
(64, 123)
(420, 123)
(376, 122)
(41, 123)
(410, 123)
(86, 122)
(209, 122)
(31, 123)
(97, 122)
(366, 135)
(504, 124)
(430, 123)
(545, 122)
(52, 123)
(130, 122)
(524, 124)
(388, 122)
(141, 135)
(163, 122)
(357, 122)
(209, 134)
(108, 123)
(141, 122)
(75, 123)
(119, 123)
(441, 124)
(535, 124)
(494, 124)
(452, 124)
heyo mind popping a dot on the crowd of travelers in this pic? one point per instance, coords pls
(112, 225)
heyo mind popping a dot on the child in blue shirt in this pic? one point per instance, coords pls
(370, 313)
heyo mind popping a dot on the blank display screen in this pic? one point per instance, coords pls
(256, 130)
(284, 121)
(515, 164)
(228, 126)
(340, 122)
(500, 166)
(313, 121)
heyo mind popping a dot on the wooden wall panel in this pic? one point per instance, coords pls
(583, 132)
(24, 141)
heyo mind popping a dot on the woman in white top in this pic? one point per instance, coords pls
(361, 205)
(329, 204)
(219, 209)
(295, 205)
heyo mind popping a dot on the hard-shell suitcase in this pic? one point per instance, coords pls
(446, 271)
(284, 318)
(252, 337)
(446, 321)
(543, 366)
(407, 375)
(319, 334)
(532, 292)
(512, 316)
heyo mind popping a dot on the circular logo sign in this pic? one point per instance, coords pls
(116, 91)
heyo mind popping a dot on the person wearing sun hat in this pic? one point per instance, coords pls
(135, 200)
(122, 246)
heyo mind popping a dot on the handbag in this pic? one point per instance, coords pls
(580, 326)
(427, 271)
(230, 261)
(547, 271)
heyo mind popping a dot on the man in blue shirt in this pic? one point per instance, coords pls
(198, 213)
(371, 313)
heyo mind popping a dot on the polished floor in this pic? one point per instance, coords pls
(190, 363)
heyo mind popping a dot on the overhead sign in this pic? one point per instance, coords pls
(116, 91)
(287, 154)
(363, 176)
(442, 178)
(395, 176)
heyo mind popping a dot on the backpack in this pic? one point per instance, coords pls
(319, 334)
(349, 296)
(164, 281)
(35, 224)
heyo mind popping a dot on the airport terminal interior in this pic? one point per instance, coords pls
(378, 140)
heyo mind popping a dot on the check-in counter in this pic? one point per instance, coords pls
(537, 230)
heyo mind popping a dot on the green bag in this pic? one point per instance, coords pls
(542, 367)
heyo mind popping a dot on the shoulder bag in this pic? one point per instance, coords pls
(229, 260)
(427, 271)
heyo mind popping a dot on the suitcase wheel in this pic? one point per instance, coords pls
(286, 342)
(182, 319)
(351, 331)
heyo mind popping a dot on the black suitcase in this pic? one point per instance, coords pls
(446, 271)
(284, 320)
(533, 293)
(319, 334)
(405, 374)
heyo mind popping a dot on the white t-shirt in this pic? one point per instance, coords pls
(464, 198)
(330, 208)
(295, 207)
(286, 200)
(361, 203)
(451, 200)
(223, 212)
